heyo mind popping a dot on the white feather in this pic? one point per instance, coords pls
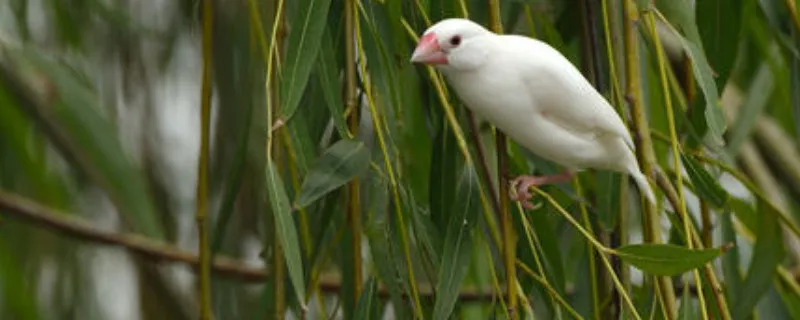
(539, 99)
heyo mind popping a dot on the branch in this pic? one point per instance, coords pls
(67, 224)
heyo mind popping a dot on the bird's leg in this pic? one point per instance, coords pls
(523, 183)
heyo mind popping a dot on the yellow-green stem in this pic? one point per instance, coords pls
(716, 289)
(616, 91)
(593, 276)
(533, 242)
(202, 167)
(601, 249)
(353, 201)
(644, 145)
(506, 221)
(553, 293)
(401, 224)
(272, 106)
(676, 152)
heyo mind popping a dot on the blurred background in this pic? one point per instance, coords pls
(344, 182)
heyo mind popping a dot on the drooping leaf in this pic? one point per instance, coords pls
(666, 259)
(308, 26)
(443, 175)
(767, 254)
(342, 162)
(458, 244)
(730, 261)
(720, 31)
(285, 227)
(327, 75)
(681, 18)
(705, 185)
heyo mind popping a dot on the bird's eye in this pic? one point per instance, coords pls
(455, 40)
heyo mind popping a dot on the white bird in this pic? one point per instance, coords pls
(530, 91)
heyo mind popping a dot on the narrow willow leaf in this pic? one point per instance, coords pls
(705, 185)
(720, 31)
(443, 175)
(745, 213)
(767, 254)
(327, 75)
(390, 267)
(758, 94)
(681, 16)
(75, 124)
(458, 244)
(666, 259)
(342, 162)
(308, 26)
(730, 261)
(368, 302)
(284, 225)
(550, 250)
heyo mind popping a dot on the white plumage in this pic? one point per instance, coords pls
(534, 95)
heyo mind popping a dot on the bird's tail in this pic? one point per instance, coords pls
(644, 186)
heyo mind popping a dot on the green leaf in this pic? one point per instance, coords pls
(730, 261)
(745, 213)
(720, 31)
(74, 122)
(705, 185)
(665, 259)
(681, 17)
(328, 78)
(287, 233)
(308, 26)
(758, 94)
(342, 162)
(444, 164)
(19, 298)
(767, 254)
(368, 302)
(457, 244)
(791, 300)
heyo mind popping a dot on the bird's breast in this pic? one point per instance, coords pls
(513, 107)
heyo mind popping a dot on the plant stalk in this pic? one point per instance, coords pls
(351, 103)
(644, 145)
(202, 167)
(506, 220)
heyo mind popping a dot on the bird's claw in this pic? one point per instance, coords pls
(519, 191)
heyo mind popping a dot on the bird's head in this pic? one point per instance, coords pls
(452, 44)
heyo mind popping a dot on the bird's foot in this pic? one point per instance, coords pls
(520, 186)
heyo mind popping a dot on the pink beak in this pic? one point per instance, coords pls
(428, 51)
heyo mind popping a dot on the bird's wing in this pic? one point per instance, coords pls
(564, 96)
